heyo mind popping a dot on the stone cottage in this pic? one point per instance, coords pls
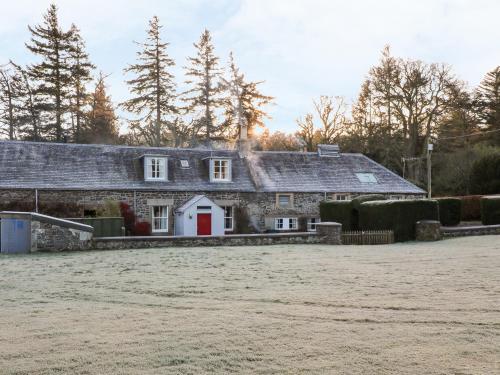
(260, 190)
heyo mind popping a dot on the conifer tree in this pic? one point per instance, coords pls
(8, 97)
(489, 102)
(204, 95)
(243, 105)
(52, 75)
(81, 74)
(102, 123)
(153, 88)
(27, 109)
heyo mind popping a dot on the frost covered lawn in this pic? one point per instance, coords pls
(409, 308)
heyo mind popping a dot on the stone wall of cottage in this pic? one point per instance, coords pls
(258, 206)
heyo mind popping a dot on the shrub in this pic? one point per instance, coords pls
(339, 212)
(490, 210)
(356, 203)
(400, 216)
(242, 221)
(142, 228)
(128, 217)
(109, 208)
(485, 175)
(450, 210)
(471, 207)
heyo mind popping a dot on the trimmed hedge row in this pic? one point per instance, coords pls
(450, 210)
(337, 211)
(400, 216)
(471, 207)
(490, 210)
(345, 212)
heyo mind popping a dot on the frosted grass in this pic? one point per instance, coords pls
(418, 308)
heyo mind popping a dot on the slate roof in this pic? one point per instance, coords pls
(34, 165)
(38, 165)
(189, 203)
(307, 171)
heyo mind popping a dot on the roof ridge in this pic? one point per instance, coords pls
(6, 141)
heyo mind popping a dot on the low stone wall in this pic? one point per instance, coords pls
(329, 233)
(428, 230)
(478, 230)
(49, 237)
(113, 243)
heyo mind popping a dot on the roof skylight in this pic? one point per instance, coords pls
(366, 177)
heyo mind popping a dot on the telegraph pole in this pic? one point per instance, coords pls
(430, 146)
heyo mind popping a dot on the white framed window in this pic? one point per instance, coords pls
(311, 223)
(366, 177)
(159, 219)
(284, 200)
(228, 218)
(341, 197)
(396, 197)
(220, 170)
(279, 224)
(286, 223)
(155, 168)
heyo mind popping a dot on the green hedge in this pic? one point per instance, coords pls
(471, 207)
(450, 211)
(400, 216)
(485, 175)
(490, 210)
(356, 203)
(339, 212)
(345, 212)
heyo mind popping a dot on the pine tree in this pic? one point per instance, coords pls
(488, 94)
(53, 73)
(81, 74)
(154, 89)
(8, 97)
(102, 124)
(27, 109)
(243, 105)
(204, 96)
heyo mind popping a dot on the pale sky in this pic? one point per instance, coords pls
(302, 49)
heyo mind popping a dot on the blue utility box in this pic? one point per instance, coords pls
(15, 235)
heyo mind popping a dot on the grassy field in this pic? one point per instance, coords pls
(420, 308)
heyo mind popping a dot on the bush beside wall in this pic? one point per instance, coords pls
(400, 216)
(450, 211)
(356, 203)
(490, 210)
(471, 207)
(339, 212)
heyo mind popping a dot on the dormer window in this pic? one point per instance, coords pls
(220, 170)
(155, 168)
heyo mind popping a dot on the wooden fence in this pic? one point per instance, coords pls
(369, 237)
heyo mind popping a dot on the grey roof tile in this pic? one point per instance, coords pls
(33, 165)
(307, 171)
(101, 167)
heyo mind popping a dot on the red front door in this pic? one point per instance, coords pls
(204, 224)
